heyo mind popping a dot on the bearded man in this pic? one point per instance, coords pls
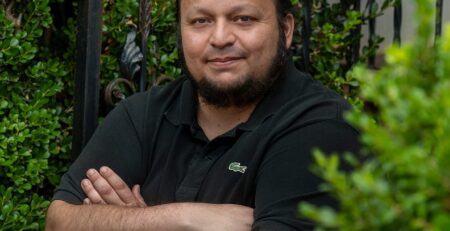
(227, 146)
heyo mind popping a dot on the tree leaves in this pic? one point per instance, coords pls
(404, 183)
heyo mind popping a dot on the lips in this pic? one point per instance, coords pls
(224, 62)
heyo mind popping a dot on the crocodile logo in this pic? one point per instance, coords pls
(236, 167)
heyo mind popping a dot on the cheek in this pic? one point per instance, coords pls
(263, 48)
(193, 44)
(192, 52)
(260, 42)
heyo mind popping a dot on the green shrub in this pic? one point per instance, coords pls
(32, 128)
(405, 183)
(36, 94)
(162, 57)
(334, 34)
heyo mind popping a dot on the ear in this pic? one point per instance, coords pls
(289, 26)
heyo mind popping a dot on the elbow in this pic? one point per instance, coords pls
(55, 216)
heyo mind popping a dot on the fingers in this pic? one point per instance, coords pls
(103, 189)
(118, 185)
(137, 194)
(106, 187)
(91, 193)
(86, 201)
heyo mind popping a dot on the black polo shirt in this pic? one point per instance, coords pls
(153, 139)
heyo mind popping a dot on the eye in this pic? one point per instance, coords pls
(244, 19)
(200, 21)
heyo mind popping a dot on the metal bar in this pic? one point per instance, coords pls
(356, 34)
(143, 71)
(372, 24)
(439, 9)
(87, 73)
(306, 33)
(398, 22)
(144, 17)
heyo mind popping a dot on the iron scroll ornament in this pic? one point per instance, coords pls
(131, 56)
(130, 60)
(130, 66)
(133, 61)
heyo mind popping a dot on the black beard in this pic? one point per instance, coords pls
(249, 92)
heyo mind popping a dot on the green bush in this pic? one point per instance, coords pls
(334, 34)
(404, 184)
(33, 124)
(36, 93)
(162, 57)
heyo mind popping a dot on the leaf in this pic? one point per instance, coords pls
(373, 8)
(14, 42)
(3, 104)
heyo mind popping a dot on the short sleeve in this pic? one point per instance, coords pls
(285, 178)
(116, 143)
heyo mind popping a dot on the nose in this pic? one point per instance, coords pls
(222, 35)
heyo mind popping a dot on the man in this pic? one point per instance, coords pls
(226, 147)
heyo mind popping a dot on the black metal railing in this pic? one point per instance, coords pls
(132, 62)
(87, 72)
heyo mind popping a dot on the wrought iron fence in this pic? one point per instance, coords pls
(133, 59)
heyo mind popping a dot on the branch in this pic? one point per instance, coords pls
(9, 15)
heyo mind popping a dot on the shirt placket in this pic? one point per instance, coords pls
(197, 171)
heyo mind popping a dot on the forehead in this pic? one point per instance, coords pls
(188, 6)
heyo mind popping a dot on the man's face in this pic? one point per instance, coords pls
(229, 46)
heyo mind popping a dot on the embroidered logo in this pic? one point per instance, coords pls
(236, 167)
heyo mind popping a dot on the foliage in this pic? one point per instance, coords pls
(32, 128)
(36, 93)
(335, 41)
(404, 184)
(121, 16)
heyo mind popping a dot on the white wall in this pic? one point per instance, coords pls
(385, 23)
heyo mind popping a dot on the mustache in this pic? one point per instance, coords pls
(231, 51)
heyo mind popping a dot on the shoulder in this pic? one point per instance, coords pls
(142, 106)
(310, 115)
(159, 94)
(308, 101)
(157, 98)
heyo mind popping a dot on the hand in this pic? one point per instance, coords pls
(106, 187)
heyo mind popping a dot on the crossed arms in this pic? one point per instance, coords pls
(111, 205)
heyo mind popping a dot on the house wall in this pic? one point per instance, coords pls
(385, 23)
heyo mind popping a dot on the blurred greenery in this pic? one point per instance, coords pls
(404, 183)
(37, 50)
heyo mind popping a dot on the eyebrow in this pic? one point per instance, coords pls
(234, 10)
(244, 7)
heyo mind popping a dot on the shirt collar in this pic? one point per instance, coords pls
(183, 110)
(288, 86)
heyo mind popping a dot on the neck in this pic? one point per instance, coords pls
(215, 121)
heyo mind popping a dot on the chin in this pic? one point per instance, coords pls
(227, 81)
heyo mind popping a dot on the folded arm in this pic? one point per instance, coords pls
(65, 216)
(111, 205)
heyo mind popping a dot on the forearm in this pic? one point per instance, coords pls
(64, 216)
